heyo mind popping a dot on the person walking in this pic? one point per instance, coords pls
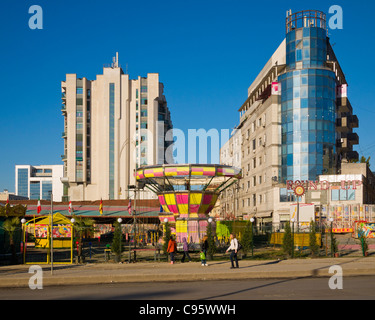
(185, 248)
(204, 247)
(172, 248)
(233, 248)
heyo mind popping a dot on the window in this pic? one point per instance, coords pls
(79, 90)
(342, 195)
(23, 182)
(254, 144)
(34, 190)
(287, 195)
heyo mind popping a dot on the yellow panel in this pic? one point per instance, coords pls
(181, 226)
(170, 199)
(165, 208)
(183, 208)
(195, 198)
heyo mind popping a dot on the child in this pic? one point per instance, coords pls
(203, 258)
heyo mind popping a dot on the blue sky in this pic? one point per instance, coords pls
(206, 52)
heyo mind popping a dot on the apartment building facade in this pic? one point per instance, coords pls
(296, 123)
(112, 126)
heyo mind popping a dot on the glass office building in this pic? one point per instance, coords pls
(308, 100)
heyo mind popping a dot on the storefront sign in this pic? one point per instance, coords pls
(323, 185)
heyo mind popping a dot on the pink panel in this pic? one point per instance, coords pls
(161, 199)
(173, 208)
(182, 198)
(207, 199)
(194, 208)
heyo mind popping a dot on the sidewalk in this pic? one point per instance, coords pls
(96, 273)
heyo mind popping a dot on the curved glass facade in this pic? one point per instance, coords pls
(308, 105)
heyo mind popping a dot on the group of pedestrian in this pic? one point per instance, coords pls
(233, 249)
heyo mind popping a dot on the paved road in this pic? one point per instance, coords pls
(354, 288)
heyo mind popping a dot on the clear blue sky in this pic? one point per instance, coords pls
(206, 52)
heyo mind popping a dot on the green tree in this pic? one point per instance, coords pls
(364, 160)
(362, 238)
(288, 245)
(117, 246)
(314, 246)
(82, 226)
(247, 238)
(11, 225)
(166, 238)
(211, 242)
(334, 247)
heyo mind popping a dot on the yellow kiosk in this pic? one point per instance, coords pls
(40, 228)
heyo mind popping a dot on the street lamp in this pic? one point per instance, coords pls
(252, 236)
(292, 220)
(331, 220)
(23, 221)
(72, 220)
(119, 220)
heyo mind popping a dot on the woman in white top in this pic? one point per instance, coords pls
(233, 248)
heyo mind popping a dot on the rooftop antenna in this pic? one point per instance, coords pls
(115, 61)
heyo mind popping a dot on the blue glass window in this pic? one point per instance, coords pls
(23, 182)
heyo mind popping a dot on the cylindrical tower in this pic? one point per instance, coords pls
(308, 100)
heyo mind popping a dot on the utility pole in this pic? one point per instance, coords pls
(51, 233)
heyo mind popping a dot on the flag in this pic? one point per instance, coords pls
(70, 207)
(101, 206)
(130, 207)
(39, 208)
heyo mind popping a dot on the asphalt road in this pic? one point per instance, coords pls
(354, 288)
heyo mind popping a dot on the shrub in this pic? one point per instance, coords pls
(288, 243)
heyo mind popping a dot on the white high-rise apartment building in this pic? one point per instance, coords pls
(37, 182)
(112, 126)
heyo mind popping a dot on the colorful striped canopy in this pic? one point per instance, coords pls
(188, 190)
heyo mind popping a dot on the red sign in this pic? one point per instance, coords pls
(322, 185)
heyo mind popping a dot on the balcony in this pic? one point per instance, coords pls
(352, 155)
(63, 135)
(344, 105)
(353, 138)
(347, 123)
(354, 122)
(63, 157)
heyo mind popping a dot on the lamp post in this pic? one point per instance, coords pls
(331, 220)
(72, 220)
(292, 220)
(51, 193)
(252, 236)
(23, 221)
(119, 220)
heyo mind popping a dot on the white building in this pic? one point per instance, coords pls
(112, 126)
(37, 182)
